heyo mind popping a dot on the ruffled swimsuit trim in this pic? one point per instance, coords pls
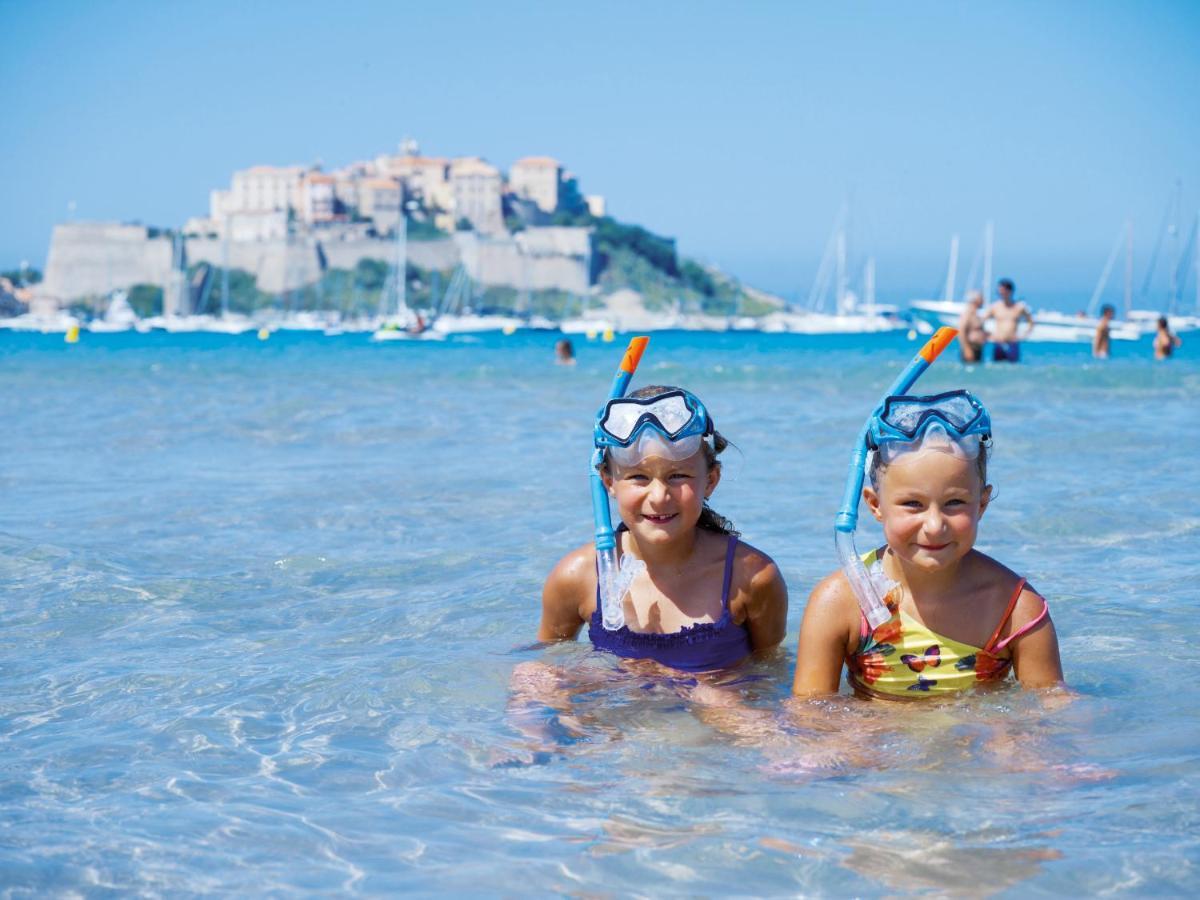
(694, 648)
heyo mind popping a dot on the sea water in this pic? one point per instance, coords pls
(269, 615)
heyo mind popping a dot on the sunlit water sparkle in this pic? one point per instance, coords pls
(266, 604)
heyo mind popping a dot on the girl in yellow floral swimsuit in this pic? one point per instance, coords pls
(958, 617)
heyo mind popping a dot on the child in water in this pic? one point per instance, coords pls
(704, 600)
(958, 617)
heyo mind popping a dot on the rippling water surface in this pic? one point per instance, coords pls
(269, 610)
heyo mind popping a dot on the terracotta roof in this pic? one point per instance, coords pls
(546, 162)
(268, 170)
(381, 183)
(473, 165)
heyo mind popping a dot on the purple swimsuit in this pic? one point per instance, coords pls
(694, 648)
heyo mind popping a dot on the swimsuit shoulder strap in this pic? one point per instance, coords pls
(994, 643)
(729, 554)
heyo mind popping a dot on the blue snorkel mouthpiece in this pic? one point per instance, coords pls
(608, 571)
(870, 596)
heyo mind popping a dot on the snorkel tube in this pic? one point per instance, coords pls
(607, 567)
(870, 597)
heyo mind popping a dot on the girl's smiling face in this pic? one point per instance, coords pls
(661, 499)
(929, 503)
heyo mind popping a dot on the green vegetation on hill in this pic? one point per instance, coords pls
(146, 300)
(26, 276)
(629, 256)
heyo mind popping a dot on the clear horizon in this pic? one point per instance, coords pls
(738, 132)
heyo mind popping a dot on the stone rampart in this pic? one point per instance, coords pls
(93, 258)
(89, 259)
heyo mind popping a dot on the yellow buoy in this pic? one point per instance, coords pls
(912, 334)
(264, 333)
(608, 335)
(72, 335)
(509, 329)
(590, 334)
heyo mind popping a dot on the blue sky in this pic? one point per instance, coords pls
(738, 129)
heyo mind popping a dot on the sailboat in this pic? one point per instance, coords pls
(1049, 326)
(455, 315)
(1186, 257)
(849, 316)
(119, 316)
(401, 323)
(227, 322)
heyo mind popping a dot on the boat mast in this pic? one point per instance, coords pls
(1093, 307)
(1128, 266)
(869, 285)
(401, 277)
(225, 270)
(988, 238)
(1173, 289)
(839, 302)
(952, 272)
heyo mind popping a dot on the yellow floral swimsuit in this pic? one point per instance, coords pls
(903, 658)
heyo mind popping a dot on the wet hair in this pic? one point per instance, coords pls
(1006, 283)
(878, 466)
(1107, 310)
(1162, 322)
(710, 519)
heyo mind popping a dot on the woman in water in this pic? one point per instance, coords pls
(958, 617)
(704, 600)
(1165, 342)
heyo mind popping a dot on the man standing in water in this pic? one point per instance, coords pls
(971, 336)
(1006, 346)
(1102, 342)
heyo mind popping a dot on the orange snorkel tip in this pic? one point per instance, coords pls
(940, 341)
(633, 354)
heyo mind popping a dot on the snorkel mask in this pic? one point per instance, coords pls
(613, 582)
(954, 422)
(897, 422)
(672, 425)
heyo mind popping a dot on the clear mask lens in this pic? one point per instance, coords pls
(671, 413)
(652, 443)
(935, 437)
(906, 415)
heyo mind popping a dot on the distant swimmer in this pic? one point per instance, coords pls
(1164, 341)
(1007, 314)
(1102, 340)
(564, 352)
(673, 583)
(971, 336)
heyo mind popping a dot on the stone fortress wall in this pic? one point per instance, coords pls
(90, 259)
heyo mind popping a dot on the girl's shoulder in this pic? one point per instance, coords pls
(753, 565)
(575, 573)
(757, 583)
(997, 585)
(833, 599)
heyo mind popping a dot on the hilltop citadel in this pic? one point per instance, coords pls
(304, 238)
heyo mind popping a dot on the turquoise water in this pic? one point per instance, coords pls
(269, 609)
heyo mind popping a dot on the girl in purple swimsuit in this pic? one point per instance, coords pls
(700, 599)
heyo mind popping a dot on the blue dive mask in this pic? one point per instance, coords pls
(671, 424)
(955, 419)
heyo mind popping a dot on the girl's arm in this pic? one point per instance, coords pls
(825, 634)
(563, 595)
(1036, 661)
(767, 605)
